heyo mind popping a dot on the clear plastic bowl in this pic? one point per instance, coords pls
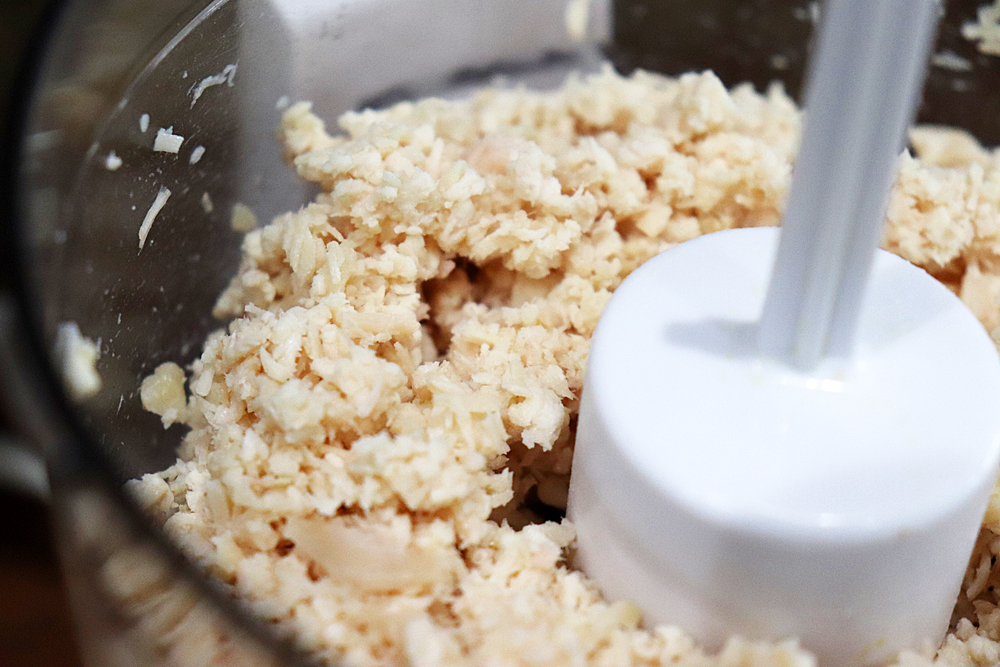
(72, 223)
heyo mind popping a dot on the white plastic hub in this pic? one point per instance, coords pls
(731, 495)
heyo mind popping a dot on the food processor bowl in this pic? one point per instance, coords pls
(85, 176)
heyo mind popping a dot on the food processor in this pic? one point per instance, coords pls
(83, 174)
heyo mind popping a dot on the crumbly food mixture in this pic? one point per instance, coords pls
(378, 437)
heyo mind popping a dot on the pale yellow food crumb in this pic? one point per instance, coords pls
(162, 392)
(166, 141)
(242, 218)
(77, 357)
(948, 147)
(377, 436)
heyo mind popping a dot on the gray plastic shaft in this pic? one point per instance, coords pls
(862, 92)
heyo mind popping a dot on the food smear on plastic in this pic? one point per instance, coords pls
(154, 210)
(223, 77)
(985, 30)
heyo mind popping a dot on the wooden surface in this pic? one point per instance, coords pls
(35, 627)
